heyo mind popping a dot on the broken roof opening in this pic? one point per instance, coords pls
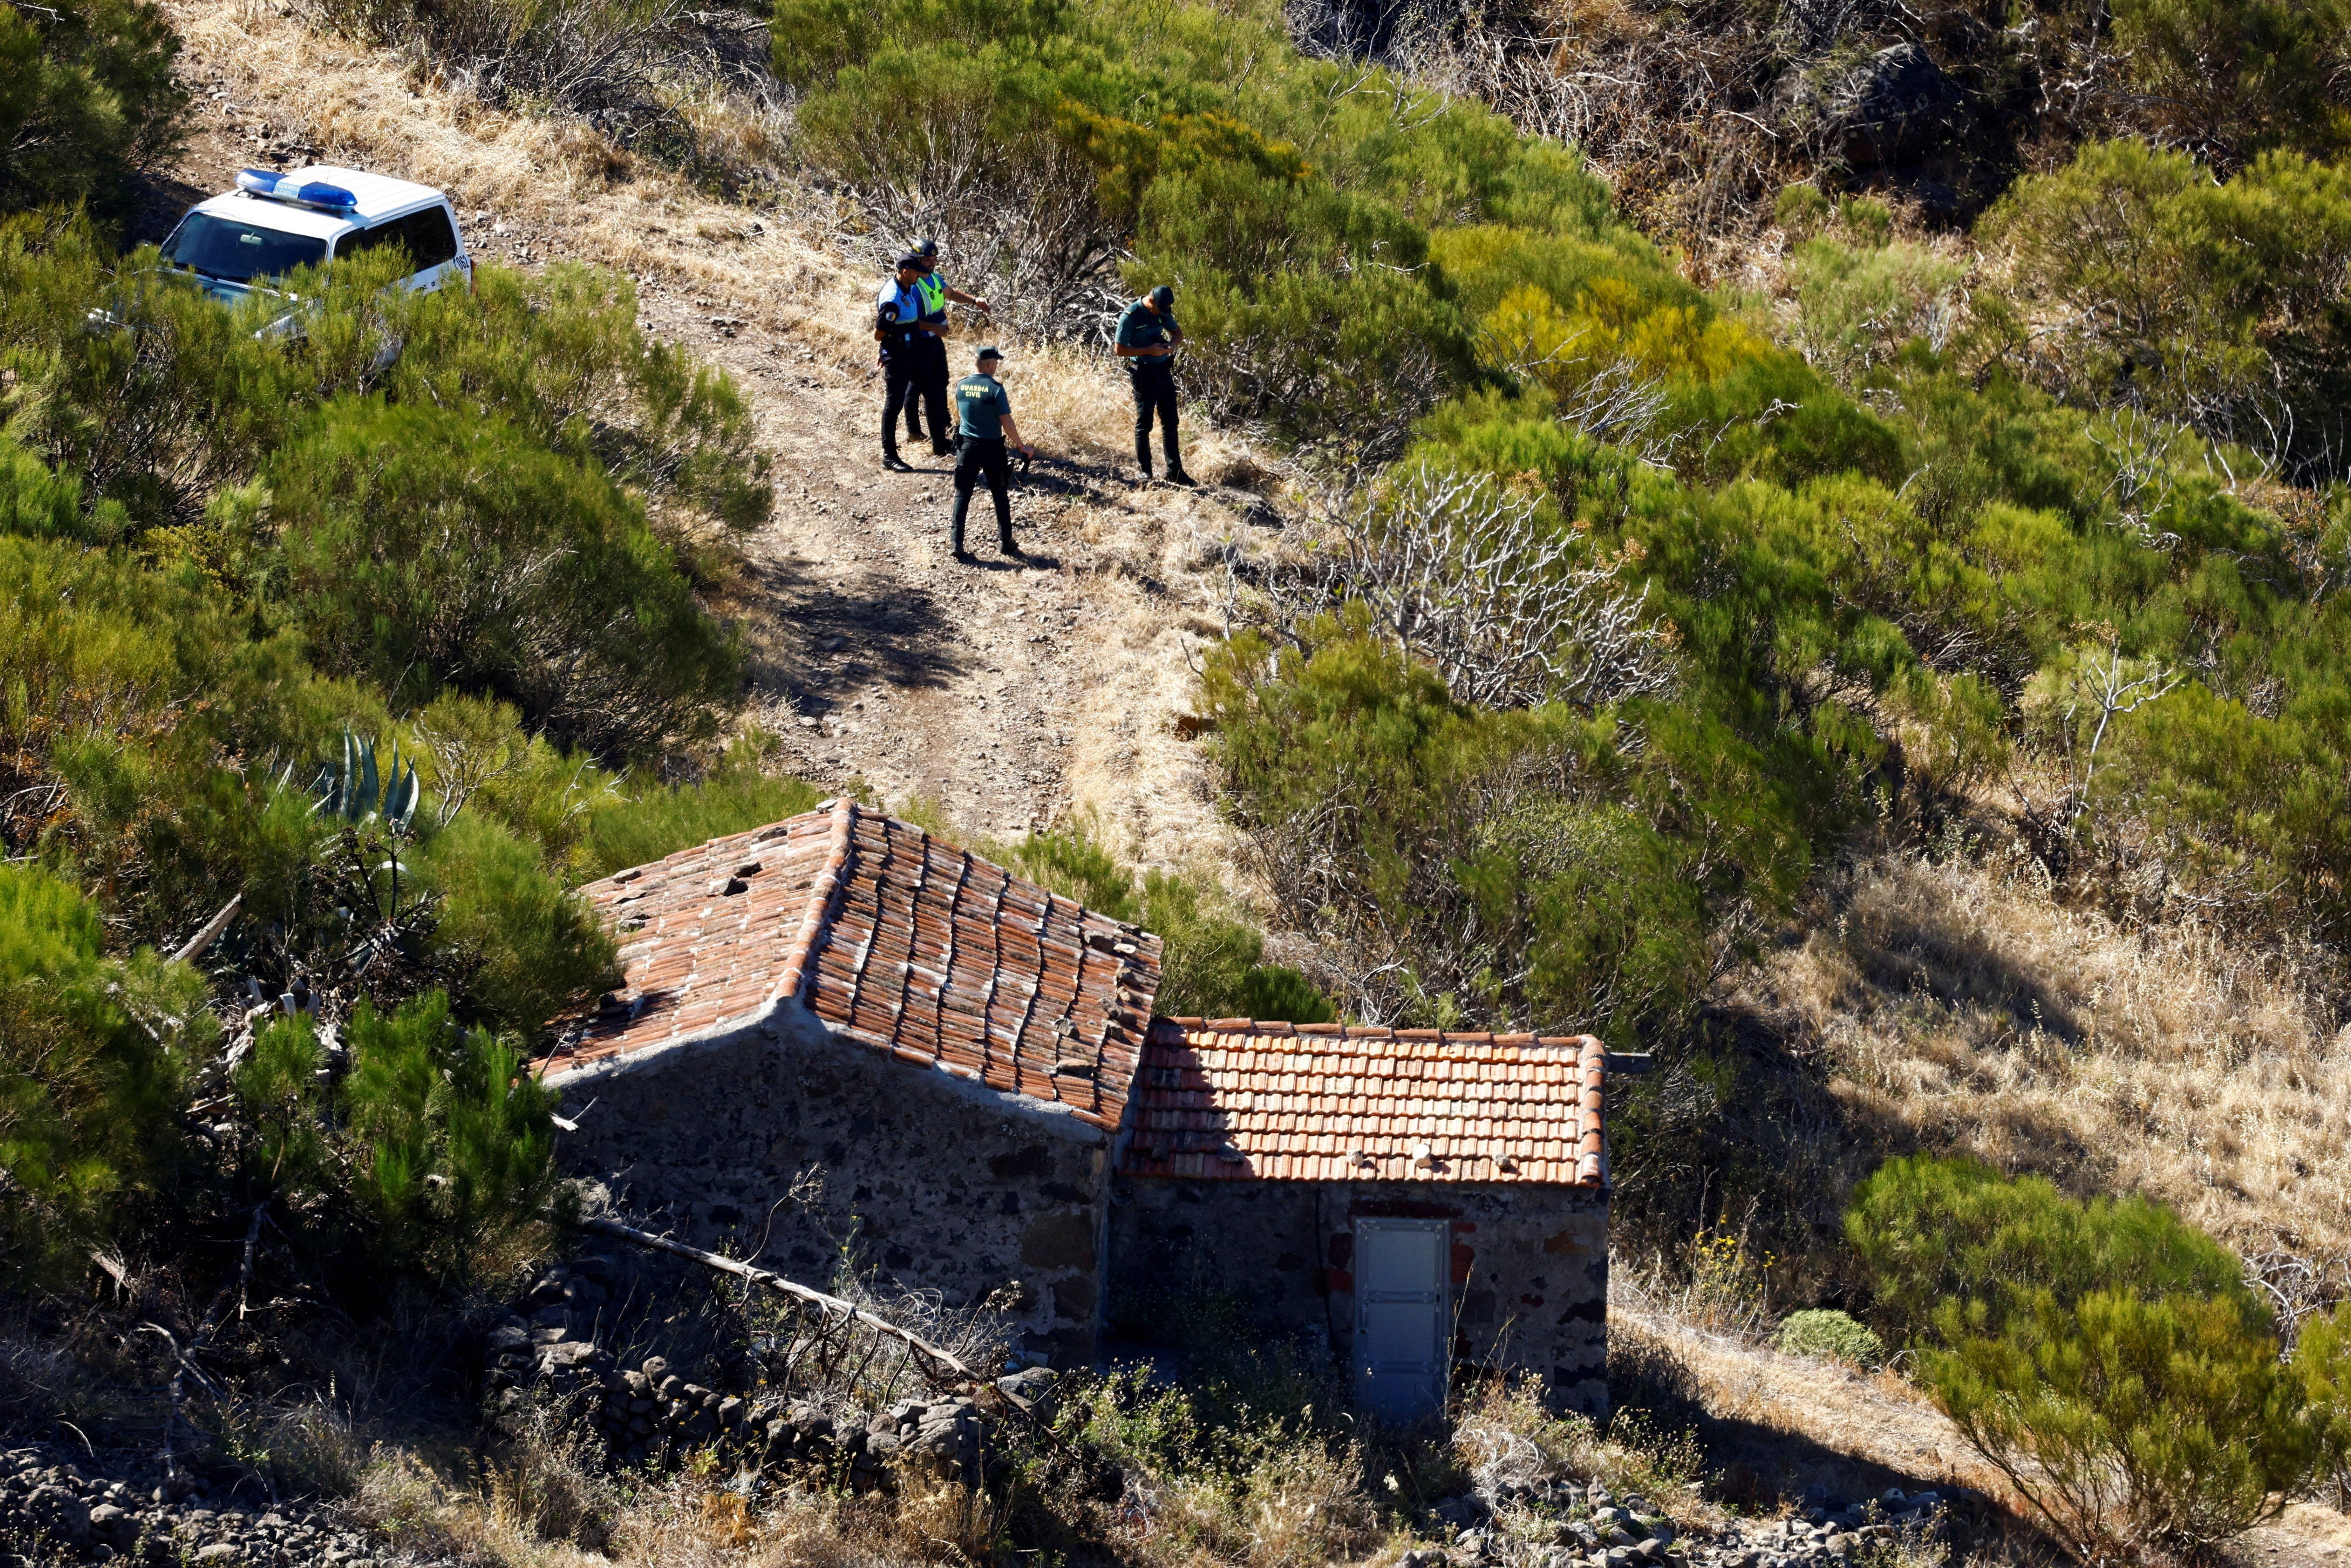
(887, 936)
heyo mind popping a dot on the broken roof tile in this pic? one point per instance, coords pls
(892, 937)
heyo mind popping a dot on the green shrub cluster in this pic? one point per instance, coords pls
(1291, 205)
(2109, 1359)
(94, 1052)
(1210, 966)
(467, 528)
(2138, 278)
(1831, 1335)
(433, 1152)
(87, 100)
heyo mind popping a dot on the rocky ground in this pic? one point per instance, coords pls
(127, 1510)
(1571, 1525)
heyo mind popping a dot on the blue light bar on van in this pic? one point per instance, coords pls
(281, 188)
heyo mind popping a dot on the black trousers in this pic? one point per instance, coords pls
(931, 357)
(1154, 393)
(903, 380)
(984, 459)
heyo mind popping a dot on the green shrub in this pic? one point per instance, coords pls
(1500, 868)
(2215, 303)
(453, 1151)
(1937, 1235)
(1859, 305)
(1832, 1336)
(2322, 1363)
(2110, 1360)
(1208, 966)
(2127, 1423)
(737, 795)
(87, 100)
(528, 948)
(182, 403)
(94, 1055)
(2230, 78)
(422, 545)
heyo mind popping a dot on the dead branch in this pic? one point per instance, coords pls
(940, 1367)
(1456, 568)
(209, 932)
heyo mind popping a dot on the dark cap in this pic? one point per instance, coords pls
(926, 248)
(990, 352)
(910, 262)
(1162, 297)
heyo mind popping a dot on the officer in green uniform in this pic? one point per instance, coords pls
(937, 292)
(984, 416)
(1147, 340)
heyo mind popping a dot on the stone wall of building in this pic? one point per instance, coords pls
(1529, 1265)
(932, 1182)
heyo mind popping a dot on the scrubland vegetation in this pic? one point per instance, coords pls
(1851, 605)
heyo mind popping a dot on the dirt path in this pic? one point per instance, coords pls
(1012, 694)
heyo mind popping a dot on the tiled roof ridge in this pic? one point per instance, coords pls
(1170, 1030)
(826, 887)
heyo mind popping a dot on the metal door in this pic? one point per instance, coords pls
(1402, 1268)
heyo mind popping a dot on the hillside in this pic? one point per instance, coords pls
(1827, 571)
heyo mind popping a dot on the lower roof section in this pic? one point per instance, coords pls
(1235, 1099)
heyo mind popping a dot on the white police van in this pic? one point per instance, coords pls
(240, 242)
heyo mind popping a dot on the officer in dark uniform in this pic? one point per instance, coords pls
(984, 417)
(899, 328)
(937, 292)
(1147, 340)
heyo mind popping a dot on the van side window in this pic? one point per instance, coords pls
(432, 238)
(370, 239)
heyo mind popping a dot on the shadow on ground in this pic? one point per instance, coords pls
(819, 642)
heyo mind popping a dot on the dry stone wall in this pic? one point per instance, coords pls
(834, 1155)
(546, 1346)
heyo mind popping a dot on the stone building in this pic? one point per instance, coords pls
(842, 1039)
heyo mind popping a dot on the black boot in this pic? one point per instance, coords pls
(1004, 546)
(896, 464)
(1176, 476)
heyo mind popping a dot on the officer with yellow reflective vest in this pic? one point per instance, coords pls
(900, 328)
(984, 419)
(937, 294)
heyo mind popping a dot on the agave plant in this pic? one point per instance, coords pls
(356, 793)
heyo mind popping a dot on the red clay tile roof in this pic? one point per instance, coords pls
(891, 937)
(1227, 1098)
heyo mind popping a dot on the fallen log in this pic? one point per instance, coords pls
(211, 929)
(937, 1363)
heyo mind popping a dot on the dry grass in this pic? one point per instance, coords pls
(549, 1504)
(1963, 1009)
(1788, 1405)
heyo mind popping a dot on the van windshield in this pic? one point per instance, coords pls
(238, 251)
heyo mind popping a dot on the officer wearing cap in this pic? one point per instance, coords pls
(984, 416)
(1148, 340)
(900, 328)
(937, 292)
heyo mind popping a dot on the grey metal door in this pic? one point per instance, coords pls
(1402, 1268)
